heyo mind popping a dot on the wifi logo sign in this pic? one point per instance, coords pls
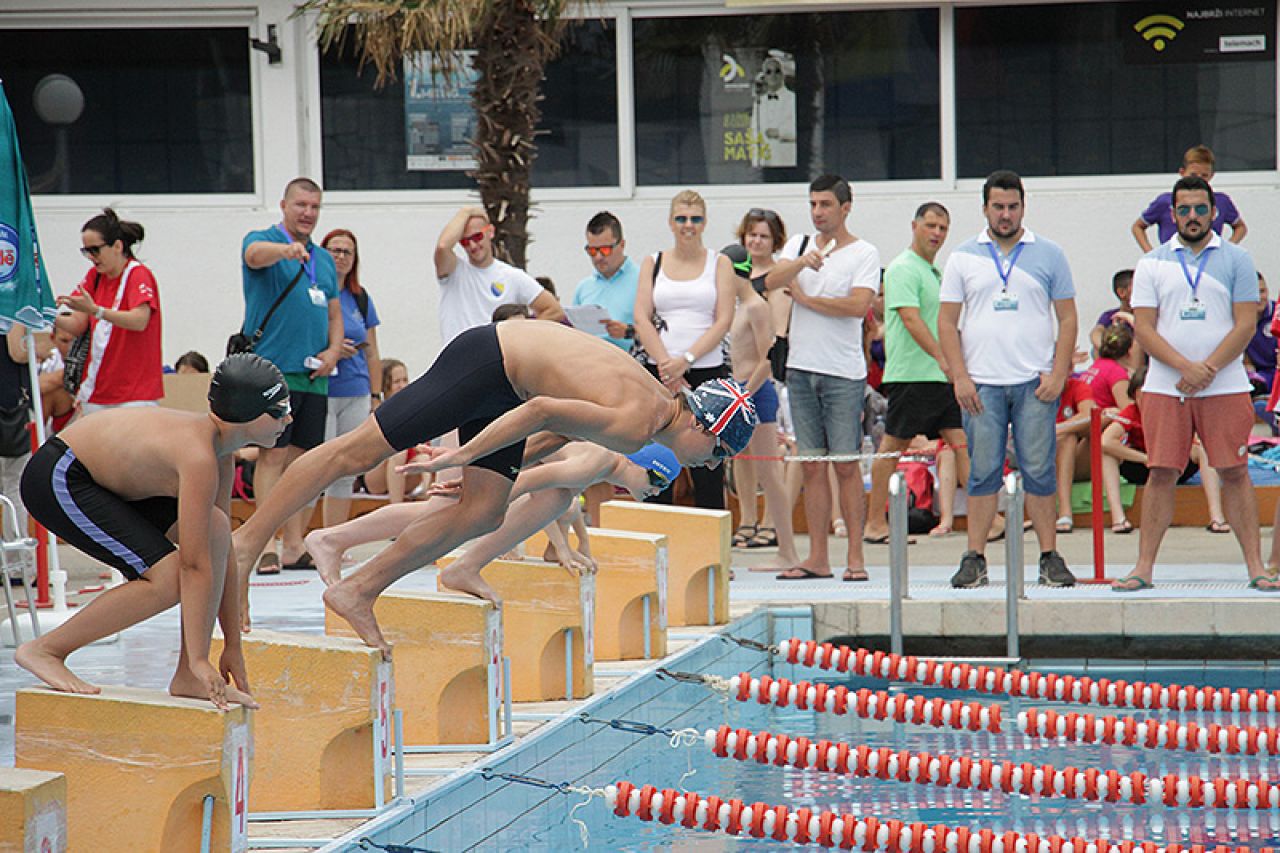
(1159, 30)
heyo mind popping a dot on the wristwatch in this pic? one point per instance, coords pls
(690, 357)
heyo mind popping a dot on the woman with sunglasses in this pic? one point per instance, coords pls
(689, 290)
(118, 304)
(359, 368)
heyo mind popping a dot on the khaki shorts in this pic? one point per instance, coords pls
(1222, 422)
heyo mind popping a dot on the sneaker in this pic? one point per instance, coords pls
(972, 572)
(1054, 571)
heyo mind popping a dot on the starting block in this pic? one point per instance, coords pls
(139, 765)
(631, 592)
(551, 611)
(323, 736)
(33, 811)
(698, 560)
(447, 658)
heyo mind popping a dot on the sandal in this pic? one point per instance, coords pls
(1065, 524)
(1122, 528)
(764, 539)
(838, 529)
(1216, 526)
(743, 535)
(269, 564)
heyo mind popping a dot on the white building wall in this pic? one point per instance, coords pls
(193, 242)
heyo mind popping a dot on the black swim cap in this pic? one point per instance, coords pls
(245, 386)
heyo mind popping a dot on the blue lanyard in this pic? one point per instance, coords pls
(1013, 261)
(1186, 273)
(310, 265)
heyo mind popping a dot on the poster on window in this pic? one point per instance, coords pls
(750, 96)
(439, 119)
(1177, 32)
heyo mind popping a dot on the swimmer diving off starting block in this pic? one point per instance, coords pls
(498, 385)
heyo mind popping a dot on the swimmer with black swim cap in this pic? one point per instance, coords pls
(245, 386)
(117, 483)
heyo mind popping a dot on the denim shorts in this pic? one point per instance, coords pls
(1034, 439)
(826, 411)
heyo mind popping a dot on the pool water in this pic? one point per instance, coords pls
(612, 755)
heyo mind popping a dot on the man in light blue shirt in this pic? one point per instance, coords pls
(613, 286)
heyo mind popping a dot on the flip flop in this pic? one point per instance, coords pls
(1065, 524)
(1124, 528)
(1216, 526)
(269, 564)
(303, 563)
(876, 540)
(1264, 583)
(855, 575)
(798, 573)
(940, 531)
(1131, 583)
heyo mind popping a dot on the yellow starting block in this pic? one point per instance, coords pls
(323, 736)
(33, 811)
(631, 592)
(139, 764)
(698, 563)
(447, 657)
(550, 610)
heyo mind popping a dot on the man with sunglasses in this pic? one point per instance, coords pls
(500, 385)
(473, 282)
(1195, 303)
(613, 284)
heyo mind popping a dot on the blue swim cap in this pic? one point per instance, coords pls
(656, 457)
(725, 408)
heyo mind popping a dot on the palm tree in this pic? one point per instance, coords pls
(513, 39)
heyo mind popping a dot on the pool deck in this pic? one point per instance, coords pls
(1200, 597)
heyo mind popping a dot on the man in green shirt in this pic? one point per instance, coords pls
(916, 383)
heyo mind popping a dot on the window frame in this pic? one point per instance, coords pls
(84, 15)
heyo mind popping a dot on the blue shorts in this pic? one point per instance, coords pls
(1034, 440)
(766, 400)
(827, 412)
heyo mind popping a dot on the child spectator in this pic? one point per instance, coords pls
(385, 479)
(1072, 429)
(1198, 161)
(1124, 452)
(191, 362)
(1107, 378)
(1122, 287)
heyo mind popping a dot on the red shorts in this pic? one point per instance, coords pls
(1222, 422)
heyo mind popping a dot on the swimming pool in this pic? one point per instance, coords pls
(470, 812)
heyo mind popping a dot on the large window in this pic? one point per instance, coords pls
(1101, 88)
(132, 110)
(744, 99)
(414, 132)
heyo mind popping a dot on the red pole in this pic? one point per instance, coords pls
(42, 546)
(1095, 482)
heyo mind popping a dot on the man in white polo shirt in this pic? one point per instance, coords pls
(1007, 368)
(473, 282)
(1195, 305)
(832, 276)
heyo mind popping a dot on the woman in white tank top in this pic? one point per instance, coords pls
(693, 295)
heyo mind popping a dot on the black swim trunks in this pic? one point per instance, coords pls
(465, 389)
(61, 494)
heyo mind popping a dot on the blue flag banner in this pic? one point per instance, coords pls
(25, 295)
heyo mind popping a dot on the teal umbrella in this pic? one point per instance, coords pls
(25, 295)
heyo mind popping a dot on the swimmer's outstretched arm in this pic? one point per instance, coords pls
(577, 418)
(540, 445)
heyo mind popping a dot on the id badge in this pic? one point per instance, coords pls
(317, 297)
(1192, 311)
(1006, 302)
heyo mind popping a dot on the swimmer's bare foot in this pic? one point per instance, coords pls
(245, 625)
(51, 669)
(327, 558)
(358, 611)
(186, 684)
(469, 582)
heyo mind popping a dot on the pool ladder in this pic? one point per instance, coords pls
(1014, 561)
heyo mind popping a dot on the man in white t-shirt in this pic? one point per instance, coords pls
(832, 277)
(1195, 306)
(1007, 367)
(473, 282)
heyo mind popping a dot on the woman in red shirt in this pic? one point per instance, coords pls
(118, 303)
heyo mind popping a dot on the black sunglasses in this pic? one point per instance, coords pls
(92, 251)
(762, 213)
